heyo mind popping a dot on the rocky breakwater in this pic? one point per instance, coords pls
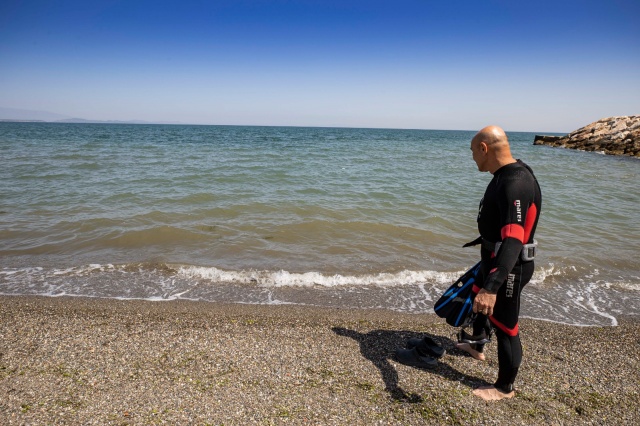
(613, 135)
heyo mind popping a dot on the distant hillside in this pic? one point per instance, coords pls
(82, 120)
(7, 114)
(14, 114)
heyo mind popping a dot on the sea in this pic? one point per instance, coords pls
(327, 217)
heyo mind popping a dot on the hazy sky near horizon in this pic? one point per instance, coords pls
(532, 66)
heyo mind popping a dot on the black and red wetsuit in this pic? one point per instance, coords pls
(508, 213)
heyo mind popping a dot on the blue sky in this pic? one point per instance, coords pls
(533, 66)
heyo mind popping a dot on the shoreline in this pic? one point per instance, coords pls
(95, 361)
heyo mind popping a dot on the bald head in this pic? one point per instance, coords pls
(492, 136)
(490, 148)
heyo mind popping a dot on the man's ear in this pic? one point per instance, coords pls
(484, 147)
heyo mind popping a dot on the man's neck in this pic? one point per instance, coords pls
(501, 162)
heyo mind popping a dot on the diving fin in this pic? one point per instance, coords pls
(456, 303)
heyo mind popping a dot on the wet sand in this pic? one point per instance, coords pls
(98, 361)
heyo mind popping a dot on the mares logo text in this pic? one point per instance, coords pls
(510, 281)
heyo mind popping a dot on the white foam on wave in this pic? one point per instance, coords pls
(17, 271)
(625, 285)
(550, 270)
(581, 301)
(583, 298)
(82, 270)
(308, 279)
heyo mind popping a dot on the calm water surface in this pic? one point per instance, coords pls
(364, 218)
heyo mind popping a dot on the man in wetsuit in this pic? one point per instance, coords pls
(508, 215)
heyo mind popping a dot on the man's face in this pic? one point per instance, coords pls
(478, 154)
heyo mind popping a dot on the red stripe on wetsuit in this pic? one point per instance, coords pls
(521, 234)
(510, 331)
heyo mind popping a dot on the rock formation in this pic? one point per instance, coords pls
(613, 135)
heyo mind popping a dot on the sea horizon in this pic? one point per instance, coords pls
(78, 120)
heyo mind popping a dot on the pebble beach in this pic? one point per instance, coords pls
(105, 361)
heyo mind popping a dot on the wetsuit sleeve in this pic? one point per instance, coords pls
(513, 201)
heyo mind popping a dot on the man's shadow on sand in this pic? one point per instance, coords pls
(379, 346)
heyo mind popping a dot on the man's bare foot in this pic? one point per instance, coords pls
(490, 393)
(469, 349)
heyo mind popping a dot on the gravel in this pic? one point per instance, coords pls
(98, 361)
